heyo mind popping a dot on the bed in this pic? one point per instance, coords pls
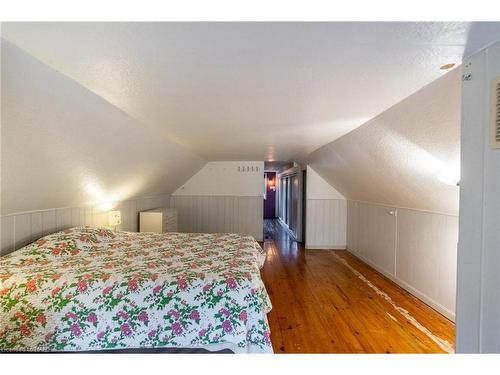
(86, 289)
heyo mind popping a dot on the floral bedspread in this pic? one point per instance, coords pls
(94, 289)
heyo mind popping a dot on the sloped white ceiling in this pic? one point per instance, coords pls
(62, 145)
(396, 158)
(251, 91)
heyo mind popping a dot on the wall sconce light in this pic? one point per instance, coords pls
(270, 184)
(114, 218)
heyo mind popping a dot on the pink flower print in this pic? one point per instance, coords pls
(132, 285)
(173, 313)
(267, 337)
(156, 289)
(202, 333)
(122, 314)
(182, 283)
(48, 336)
(107, 290)
(195, 315)
(231, 283)
(72, 315)
(226, 324)
(152, 334)
(170, 294)
(125, 328)
(143, 316)
(119, 296)
(224, 312)
(100, 335)
(75, 329)
(177, 328)
(82, 286)
(207, 287)
(92, 318)
(243, 316)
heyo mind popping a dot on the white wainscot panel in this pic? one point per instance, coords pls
(220, 214)
(427, 256)
(372, 234)
(326, 223)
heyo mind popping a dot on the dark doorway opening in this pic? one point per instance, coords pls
(270, 195)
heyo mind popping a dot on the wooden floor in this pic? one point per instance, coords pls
(320, 305)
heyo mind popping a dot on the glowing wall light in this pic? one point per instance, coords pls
(449, 176)
(105, 200)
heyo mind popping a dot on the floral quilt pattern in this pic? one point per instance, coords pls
(94, 289)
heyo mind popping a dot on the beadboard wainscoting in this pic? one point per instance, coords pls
(326, 223)
(20, 229)
(416, 249)
(220, 214)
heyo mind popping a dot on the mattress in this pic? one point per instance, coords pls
(86, 289)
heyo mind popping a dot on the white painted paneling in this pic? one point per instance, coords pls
(7, 234)
(416, 249)
(49, 222)
(220, 214)
(18, 230)
(427, 254)
(22, 234)
(63, 218)
(36, 225)
(372, 234)
(326, 223)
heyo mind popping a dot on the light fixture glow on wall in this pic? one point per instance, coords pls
(449, 176)
(114, 218)
(104, 206)
(271, 184)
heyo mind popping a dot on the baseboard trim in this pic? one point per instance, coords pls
(421, 296)
(326, 247)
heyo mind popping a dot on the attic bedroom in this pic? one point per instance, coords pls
(242, 187)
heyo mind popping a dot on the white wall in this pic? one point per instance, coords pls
(225, 179)
(326, 214)
(318, 188)
(416, 249)
(64, 146)
(223, 197)
(396, 157)
(478, 297)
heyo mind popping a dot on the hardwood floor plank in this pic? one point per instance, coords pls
(321, 306)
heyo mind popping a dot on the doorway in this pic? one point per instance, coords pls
(270, 195)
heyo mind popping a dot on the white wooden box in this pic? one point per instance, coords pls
(158, 220)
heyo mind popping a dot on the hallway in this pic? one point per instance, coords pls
(327, 301)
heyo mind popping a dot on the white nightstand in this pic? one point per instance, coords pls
(158, 220)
